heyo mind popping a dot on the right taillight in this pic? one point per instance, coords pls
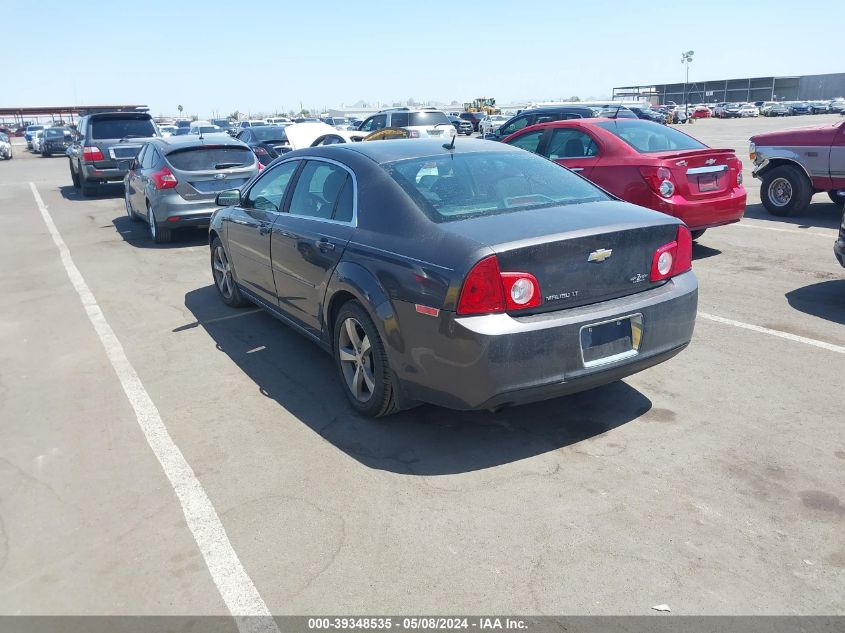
(487, 290)
(91, 154)
(673, 258)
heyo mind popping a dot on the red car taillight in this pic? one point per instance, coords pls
(660, 180)
(673, 258)
(90, 154)
(260, 151)
(164, 179)
(260, 166)
(488, 290)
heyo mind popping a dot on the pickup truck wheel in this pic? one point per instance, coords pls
(73, 175)
(361, 362)
(697, 233)
(785, 191)
(837, 198)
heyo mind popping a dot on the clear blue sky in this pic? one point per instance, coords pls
(265, 56)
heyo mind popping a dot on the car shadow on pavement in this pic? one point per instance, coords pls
(825, 300)
(111, 190)
(138, 234)
(700, 251)
(821, 213)
(427, 440)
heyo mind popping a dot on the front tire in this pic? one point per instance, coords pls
(785, 191)
(361, 362)
(224, 278)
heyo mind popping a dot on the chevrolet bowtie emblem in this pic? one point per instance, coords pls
(710, 161)
(600, 255)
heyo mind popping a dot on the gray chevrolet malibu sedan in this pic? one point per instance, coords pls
(173, 181)
(469, 274)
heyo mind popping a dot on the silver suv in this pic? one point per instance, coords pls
(105, 145)
(420, 123)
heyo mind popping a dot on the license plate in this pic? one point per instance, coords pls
(610, 341)
(708, 182)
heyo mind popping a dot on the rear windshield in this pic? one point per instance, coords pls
(428, 118)
(121, 128)
(270, 133)
(459, 186)
(645, 136)
(204, 158)
(33, 128)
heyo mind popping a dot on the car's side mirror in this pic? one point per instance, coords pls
(229, 198)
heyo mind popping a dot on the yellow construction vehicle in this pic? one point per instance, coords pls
(482, 104)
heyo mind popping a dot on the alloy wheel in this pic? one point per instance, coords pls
(223, 272)
(356, 359)
(780, 192)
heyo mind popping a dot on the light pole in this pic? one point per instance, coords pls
(686, 58)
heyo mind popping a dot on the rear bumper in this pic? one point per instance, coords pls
(174, 211)
(703, 214)
(497, 360)
(110, 174)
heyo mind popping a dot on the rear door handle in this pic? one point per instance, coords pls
(325, 245)
(264, 228)
(576, 169)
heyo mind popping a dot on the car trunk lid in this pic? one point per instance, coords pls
(604, 252)
(703, 173)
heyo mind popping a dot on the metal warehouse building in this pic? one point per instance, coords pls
(797, 88)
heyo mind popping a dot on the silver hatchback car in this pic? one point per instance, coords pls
(173, 181)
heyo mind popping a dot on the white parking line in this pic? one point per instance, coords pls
(747, 225)
(235, 586)
(764, 330)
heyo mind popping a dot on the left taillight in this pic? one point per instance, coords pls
(487, 290)
(164, 179)
(91, 154)
(673, 258)
(660, 180)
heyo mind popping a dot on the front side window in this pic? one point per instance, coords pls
(318, 191)
(268, 193)
(571, 143)
(645, 136)
(377, 122)
(459, 186)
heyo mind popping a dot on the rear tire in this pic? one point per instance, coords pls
(697, 233)
(361, 362)
(160, 235)
(73, 175)
(837, 198)
(785, 191)
(87, 188)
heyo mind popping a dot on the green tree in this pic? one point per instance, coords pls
(234, 115)
(575, 98)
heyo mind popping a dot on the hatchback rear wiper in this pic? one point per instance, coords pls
(227, 165)
(130, 136)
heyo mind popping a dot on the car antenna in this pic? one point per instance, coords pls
(451, 145)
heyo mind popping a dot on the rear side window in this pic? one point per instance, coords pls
(570, 143)
(399, 119)
(206, 158)
(645, 136)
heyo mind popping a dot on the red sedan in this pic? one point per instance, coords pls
(648, 164)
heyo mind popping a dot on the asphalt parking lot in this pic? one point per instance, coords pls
(714, 483)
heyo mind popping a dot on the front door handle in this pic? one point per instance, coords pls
(325, 245)
(264, 228)
(576, 169)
